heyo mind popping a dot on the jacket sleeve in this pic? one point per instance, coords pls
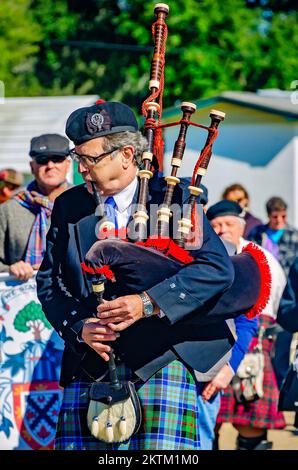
(64, 312)
(287, 315)
(4, 267)
(210, 274)
(245, 330)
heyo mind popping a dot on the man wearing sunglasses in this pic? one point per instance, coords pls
(24, 219)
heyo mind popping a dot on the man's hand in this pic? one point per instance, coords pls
(36, 266)
(94, 333)
(119, 314)
(220, 382)
(21, 270)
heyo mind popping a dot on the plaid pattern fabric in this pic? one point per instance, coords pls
(262, 413)
(287, 245)
(42, 207)
(170, 414)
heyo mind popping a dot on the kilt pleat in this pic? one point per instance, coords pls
(262, 413)
(169, 406)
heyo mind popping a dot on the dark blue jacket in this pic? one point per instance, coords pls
(287, 315)
(67, 298)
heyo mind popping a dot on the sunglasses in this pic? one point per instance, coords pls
(44, 159)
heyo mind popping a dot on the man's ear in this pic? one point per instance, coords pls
(6, 191)
(68, 163)
(127, 155)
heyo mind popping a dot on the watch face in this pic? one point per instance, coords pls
(148, 308)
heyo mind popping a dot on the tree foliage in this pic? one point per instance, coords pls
(212, 46)
(20, 35)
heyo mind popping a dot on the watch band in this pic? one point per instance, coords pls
(148, 306)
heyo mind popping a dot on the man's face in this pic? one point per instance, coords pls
(229, 228)
(238, 196)
(111, 173)
(277, 220)
(51, 175)
(5, 193)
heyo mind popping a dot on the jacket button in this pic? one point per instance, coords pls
(182, 296)
(172, 285)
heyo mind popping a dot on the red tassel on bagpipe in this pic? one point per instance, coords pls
(265, 284)
(169, 248)
(105, 270)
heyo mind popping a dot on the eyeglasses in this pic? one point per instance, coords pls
(44, 159)
(87, 159)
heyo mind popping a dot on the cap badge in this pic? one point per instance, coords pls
(98, 122)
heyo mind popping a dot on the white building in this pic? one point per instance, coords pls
(257, 146)
(24, 118)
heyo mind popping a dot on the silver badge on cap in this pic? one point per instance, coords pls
(97, 120)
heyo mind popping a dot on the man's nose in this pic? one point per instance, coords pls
(50, 164)
(81, 168)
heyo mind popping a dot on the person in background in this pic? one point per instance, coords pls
(24, 219)
(278, 237)
(253, 419)
(10, 181)
(237, 193)
(287, 315)
(209, 390)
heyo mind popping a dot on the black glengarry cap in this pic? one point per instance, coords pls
(224, 207)
(98, 120)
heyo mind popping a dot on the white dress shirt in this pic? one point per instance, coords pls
(123, 201)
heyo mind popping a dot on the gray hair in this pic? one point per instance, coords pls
(241, 220)
(120, 139)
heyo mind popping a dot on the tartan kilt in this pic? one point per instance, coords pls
(169, 406)
(263, 412)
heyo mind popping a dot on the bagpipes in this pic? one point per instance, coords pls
(120, 267)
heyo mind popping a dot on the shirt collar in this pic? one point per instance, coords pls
(124, 198)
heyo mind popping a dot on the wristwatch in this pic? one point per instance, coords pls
(148, 306)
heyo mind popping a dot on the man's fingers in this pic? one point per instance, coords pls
(209, 391)
(112, 337)
(106, 321)
(111, 313)
(21, 270)
(109, 305)
(120, 326)
(98, 328)
(99, 347)
(104, 356)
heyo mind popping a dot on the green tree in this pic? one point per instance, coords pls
(19, 38)
(105, 47)
(31, 317)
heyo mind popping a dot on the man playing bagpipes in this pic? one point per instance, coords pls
(162, 308)
(109, 156)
